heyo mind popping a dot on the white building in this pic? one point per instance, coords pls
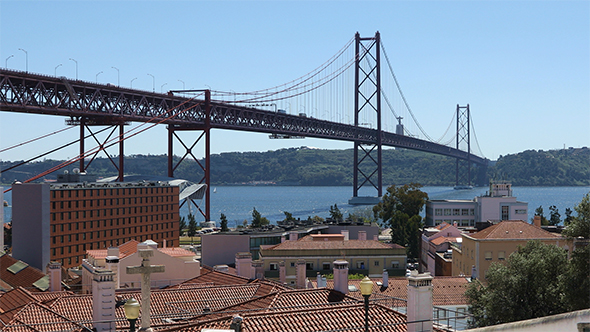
(496, 205)
(180, 264)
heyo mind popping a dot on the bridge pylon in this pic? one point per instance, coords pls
(463, 139)
(206, 166)
(367, 101)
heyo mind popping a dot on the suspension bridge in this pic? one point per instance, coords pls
(347, 98)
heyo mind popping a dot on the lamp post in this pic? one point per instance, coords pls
(162, 88)
(131, 308)
(154, 82)
(118, 81)
(55, 69)
(100, 72)
(366, 290)
(182, 83)
(132, 82)
(76, 67)
(27, 59)
(6, 62)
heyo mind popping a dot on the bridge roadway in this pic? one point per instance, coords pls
(39, 94)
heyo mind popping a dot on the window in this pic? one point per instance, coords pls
(464, 212)
(438, 212)
(274, 266)
(488, 255)
(395, 264)
(471, 212)
(520, 211)
(456, 212)
(360, 265)
(447, 212)
(292, 264)
(376, 263)
(501, 255)
(505, 212)
(309, 266)
(325, 266)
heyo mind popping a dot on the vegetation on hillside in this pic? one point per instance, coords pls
(315, 167)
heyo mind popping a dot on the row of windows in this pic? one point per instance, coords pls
(328, 266)
(112, 222)
(68, 216)
(105, 233)
(111, 202)
(117, 211)
(488, 255)
(111, 191)
(454, 212)
(460, 222)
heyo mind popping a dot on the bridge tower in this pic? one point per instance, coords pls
(205, 136)
(367, 101)
(463, 167)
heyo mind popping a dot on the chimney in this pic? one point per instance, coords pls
(244, 264)
(112, 263)
(362, 236)
(283, 238)
(293, 236)
(164, 243)
(537, 221)
(318, 280)
(103, 300)
(341, 276)
(282, 272)
(300, 274)
(258, 268)
(345, 233)
(54, 270)
(385, 278)
(419, 302)
(375, 237)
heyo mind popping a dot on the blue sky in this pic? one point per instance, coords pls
(523, 66)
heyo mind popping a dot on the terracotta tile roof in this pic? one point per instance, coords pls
(445, 290)
(25, 277)
(176, 252)
(514, 229)
(37, 317)
(442, 226)
(16, 298)
(442, 239)
(348, 317)
(307, 243)
(130, 247)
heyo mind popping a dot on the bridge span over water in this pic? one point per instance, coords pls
(89, 104)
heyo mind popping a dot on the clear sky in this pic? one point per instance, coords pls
(523, 66)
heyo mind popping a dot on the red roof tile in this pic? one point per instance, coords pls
(23, 278)
(442, 239)
(514, 229)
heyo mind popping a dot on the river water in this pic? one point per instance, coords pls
(237, 202)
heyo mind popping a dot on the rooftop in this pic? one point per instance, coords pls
(15, 273)
(308, 243)
(513, 229)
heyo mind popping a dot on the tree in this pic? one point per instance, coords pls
(539, 212)
(554, 216)
(335, 213)
(258, 220)
(526, 286)
(192, 226)
(575, 280)
(223, 222)
(580, 225)
(568, 216)
(400, 211)
(288, 216)
(182, 225)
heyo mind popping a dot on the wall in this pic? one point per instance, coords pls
(562, 322)
(219, 249)
(353, 230)
(30, 224)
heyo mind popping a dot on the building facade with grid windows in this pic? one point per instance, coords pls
(59, 222)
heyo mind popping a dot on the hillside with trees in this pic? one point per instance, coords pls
(314, 167)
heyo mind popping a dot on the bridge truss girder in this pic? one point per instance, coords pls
(463, 166)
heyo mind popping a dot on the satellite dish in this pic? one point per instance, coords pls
(76, 170)
(66, 171)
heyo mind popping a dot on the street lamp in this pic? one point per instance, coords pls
(154, 81)
(6, 63)
(162, 87)
(100, 72)
(76, 67)
(131, 308)
(27, 59)
(55, 69)
(132, 82)
(182, 83)
(366, 290)
(117, 69)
